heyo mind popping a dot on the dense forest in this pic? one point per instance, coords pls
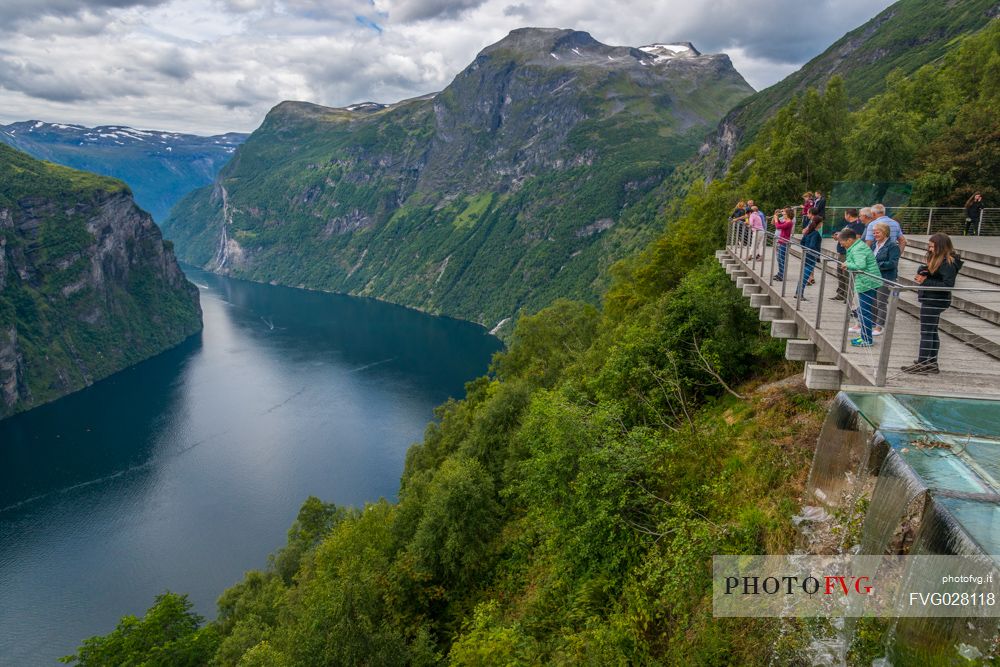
(566, 510)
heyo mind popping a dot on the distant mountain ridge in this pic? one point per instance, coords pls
(904, 37)
(513, 186)
(160, 167)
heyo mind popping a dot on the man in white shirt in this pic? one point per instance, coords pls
(895, 230)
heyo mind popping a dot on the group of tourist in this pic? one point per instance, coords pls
(869, 248)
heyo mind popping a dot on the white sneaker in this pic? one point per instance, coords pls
(876, 332)
(855, 329)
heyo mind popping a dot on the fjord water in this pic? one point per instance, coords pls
(184, 471)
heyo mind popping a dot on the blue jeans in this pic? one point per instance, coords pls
(866, 310)
(782, 250)
(807, 271)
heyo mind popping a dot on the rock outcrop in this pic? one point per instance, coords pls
(87, 284)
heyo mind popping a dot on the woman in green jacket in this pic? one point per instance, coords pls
(861, 262)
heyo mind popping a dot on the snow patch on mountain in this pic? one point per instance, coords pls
(665, 52)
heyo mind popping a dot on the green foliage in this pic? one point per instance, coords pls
(315, 519)
(802, 147)
(547, 341)
(905, 36)
(169, 635)
(459, 516)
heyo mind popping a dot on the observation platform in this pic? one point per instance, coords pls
(816, 326)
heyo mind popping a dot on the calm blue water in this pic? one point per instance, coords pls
(185, 471)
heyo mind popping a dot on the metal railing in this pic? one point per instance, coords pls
(929, 220)
(762, 249)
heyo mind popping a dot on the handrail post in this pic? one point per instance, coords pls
(890, 321)
(847, 311)
(784, 273)
(774, 256)
(930, 216)
(763, 249)
(822, 285)
(799, 287)
(979, 227)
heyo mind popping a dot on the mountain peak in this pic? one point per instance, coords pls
(544, 40)
(563, 47)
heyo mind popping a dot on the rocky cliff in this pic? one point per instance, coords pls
(87, 284)
(513, 186)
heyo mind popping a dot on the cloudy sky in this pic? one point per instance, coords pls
(208, 66)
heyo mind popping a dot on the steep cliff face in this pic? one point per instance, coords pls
(506, 190)
(87, 284)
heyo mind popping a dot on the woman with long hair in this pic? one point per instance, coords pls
(940, 270)
(973, 212)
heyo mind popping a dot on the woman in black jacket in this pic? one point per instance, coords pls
(973, 212)
(941, 269)
(887, 255)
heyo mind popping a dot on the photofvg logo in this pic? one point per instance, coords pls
(789, 585)
(839, 586)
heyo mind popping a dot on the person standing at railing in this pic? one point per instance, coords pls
(812, 243)
(757, 227)
(854, 221)
(895, 230)
(887, 255)
(973, 213)
(783, 226)
(807, 204)
(941, 270)
(860, 261)
(819, 204)
(740, 215)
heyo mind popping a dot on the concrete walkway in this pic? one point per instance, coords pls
(970, 332)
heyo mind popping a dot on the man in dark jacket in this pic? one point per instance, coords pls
(819, 206)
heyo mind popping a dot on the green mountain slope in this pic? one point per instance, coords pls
(904, 37)
(87, 285)
(504, 191)
(160, 167)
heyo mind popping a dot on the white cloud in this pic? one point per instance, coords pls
(219, 65)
